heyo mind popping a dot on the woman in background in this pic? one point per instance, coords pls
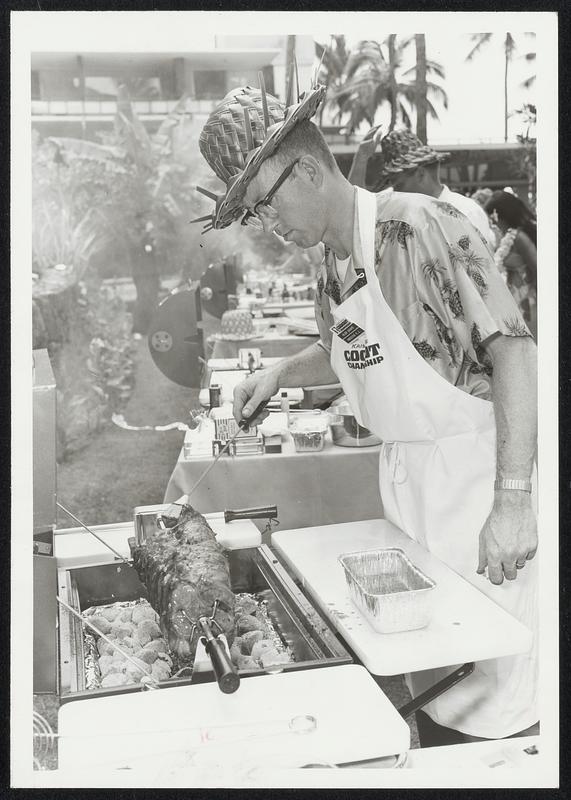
(516, 254)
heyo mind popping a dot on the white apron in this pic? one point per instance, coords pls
(436, 474)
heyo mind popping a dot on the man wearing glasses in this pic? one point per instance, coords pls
(433, 356)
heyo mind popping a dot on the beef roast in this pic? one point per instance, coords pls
(185, 569)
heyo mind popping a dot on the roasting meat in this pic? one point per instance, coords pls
(185, 571)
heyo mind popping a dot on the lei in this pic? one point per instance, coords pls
(505, 246)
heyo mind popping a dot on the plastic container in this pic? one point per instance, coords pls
(346, 431)
(389, 590)
(308, 434)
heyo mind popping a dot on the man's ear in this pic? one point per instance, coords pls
(310, 169)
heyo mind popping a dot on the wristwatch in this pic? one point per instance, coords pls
(512, 483)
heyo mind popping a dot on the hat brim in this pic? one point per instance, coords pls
(230, 207)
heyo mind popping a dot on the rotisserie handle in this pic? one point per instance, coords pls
(259, 512)
(226, 676)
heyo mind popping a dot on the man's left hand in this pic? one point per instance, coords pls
(509, 537)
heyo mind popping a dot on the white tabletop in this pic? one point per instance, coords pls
(354, 721)
(465, 625)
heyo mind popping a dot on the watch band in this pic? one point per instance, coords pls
(512, 483)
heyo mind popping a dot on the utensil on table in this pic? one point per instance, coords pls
(242, 425)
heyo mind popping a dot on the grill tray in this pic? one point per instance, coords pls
(388, 589)
(254, 570)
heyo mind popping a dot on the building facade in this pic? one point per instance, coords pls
(75, 94)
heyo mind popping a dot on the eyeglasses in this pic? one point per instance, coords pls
(252, 218)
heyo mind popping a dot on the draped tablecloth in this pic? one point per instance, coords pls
(337, 484)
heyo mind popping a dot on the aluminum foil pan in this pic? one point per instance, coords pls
(389, 590)
(91, 660)
(139, 639)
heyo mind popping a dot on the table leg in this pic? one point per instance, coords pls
(435, 691)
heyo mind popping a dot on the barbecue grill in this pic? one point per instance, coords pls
(302, 631)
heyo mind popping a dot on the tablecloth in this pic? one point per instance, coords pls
(337, 484)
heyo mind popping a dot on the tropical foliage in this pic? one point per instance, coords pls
(479, 41)
(526, 160)
(69, 201)
(373, 76)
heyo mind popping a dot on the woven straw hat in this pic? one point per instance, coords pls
(239, 135)
(402, 150)
(236, 325)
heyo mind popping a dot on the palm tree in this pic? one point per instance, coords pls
(480, 40)
(433, 90)
(290, 71)
(371, 79)
(363, 86)
(332, 62)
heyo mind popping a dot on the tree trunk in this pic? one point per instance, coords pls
(146, 278)
(420, 86)
(290, 85)
(393, 80)
(506, 92)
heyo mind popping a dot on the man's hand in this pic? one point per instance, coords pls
(252, 391)
(509, 537)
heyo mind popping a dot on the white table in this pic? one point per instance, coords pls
(354, 721)
(465, 625)
(311, 488)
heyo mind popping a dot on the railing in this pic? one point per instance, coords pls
(109, 107)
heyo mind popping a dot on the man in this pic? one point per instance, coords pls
(415, 321)
(410, 166)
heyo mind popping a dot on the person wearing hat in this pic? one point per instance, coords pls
(434, 358)
(410, 166)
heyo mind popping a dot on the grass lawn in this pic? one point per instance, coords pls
(121, 469)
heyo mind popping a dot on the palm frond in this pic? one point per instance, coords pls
(173, 118)
(432, 68)
(405, 116)
(405, 41)
(431, 110)
(509, 45)
(438, 93)
(480, 40)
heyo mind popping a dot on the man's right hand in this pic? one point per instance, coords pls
(252, 391)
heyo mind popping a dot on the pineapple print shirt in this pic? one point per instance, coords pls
(439, 278)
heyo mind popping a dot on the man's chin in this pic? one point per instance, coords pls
(302, 240)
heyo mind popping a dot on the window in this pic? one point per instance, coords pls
(209, 84)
